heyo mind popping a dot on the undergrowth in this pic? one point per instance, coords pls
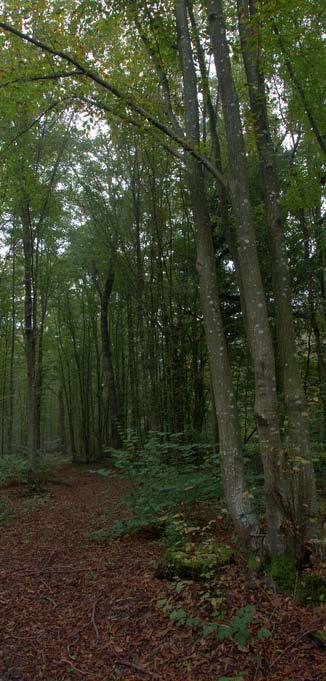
(14, 470)
(6, 510)
(236, 629)
(165, 477)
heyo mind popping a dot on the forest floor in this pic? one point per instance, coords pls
(71, 608)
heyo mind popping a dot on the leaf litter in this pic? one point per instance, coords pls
(71, 608)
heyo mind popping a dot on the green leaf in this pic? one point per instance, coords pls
(161, 603)
(264, 633)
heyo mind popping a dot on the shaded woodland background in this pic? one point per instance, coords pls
(102, 331)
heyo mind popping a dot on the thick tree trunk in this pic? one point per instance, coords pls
(280, 513)
(230, 444)
(298, 446)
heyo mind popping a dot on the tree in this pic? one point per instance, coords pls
(216, 145)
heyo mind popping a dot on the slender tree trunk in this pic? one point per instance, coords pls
(61, 421)
(298, 445)
(4, 374)
(143, 405)
(12, 350)
(280, 511)
(230, 445)
(107, 361)
(314, 321)
(30, 338)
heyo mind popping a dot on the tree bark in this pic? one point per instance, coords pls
(12, 350)
(30, 338)
(298, 446)
(230, 445)
(105, 293)
(280, 513)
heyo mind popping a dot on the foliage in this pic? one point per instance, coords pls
(164, 478)
(284, 573)
(37, 502)
(52, 575)
(194, 561)
(237, 629)
(15, 470)
(6, 510)
(106, 190)
(312, 589)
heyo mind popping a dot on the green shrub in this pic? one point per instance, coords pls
(15, 469)
(237, 629)
(284, 573)
(312, 589)
(195, 562)
(164, 477)
(6, 510)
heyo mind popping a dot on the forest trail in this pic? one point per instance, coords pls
(75, 609)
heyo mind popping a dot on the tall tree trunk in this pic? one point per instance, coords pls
(61, 422)
(30, 338)
(280, 512)
(298, 445)
(12, 349)
(143, 404)
(314, 320)
(4, 386)
(230, 444)
(105, 294)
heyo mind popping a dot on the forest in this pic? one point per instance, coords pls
(162, 340)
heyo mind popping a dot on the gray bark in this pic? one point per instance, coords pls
(298, 445)
(278, 504)
(226, 408)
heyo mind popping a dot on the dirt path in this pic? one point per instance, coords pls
(72, 609)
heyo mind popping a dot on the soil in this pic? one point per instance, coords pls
(71, 608)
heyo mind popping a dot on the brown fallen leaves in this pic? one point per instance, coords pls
(72, 609)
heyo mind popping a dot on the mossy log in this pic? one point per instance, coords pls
(196, 562)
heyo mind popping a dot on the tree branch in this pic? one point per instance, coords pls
(49, 76)
(319, 137)
(34, 122)
(129, 101)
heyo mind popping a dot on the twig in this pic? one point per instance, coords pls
(51, 600)
(293, 643)
(69, 569)
(73, 667)
(93, 620)
(73, 643)
(141, 670)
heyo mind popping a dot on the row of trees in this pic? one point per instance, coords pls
(208, 149)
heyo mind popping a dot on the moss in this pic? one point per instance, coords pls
(151, 531)
(312, 589)
(284, 573)
(254, 563)
(319, 637)
(194, 562)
